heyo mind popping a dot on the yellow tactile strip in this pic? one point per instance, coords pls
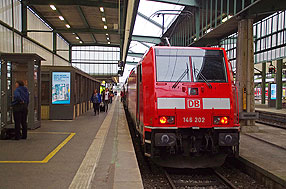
(85, 173)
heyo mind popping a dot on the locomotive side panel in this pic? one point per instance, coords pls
(148, 88)
(132, 94)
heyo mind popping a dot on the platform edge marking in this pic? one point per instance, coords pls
(85, 173)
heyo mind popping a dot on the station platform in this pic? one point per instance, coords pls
(265, 151)
(265, 108)
(89, 152)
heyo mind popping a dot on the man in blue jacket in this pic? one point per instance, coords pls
(20, 109)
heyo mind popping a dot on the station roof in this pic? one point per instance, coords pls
(84, 22)
(148, 27)
(257, 10)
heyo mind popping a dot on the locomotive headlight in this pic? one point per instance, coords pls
(163, 120)
(167, 119)
(220, 120)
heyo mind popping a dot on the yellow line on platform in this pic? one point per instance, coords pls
(55, 133)
(51, 154)
(58, 148)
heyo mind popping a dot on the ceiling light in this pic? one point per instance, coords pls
(53, 7)
(105, 27)
(68, 26)
(103, 19)
(106, 34)
(108, 42)
(73, 33)
(107, 38)
(80, 41)
(61, 18)
(101, 9)
(77, 37)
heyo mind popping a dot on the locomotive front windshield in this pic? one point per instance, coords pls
(190, 65)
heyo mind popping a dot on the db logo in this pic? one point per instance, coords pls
(194, 103)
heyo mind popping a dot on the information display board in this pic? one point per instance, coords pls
(61, 87)
(273, 91)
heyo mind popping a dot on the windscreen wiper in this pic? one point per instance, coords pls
(203, 78)
(181, 77)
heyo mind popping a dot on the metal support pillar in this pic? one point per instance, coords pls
(24, 17)
(279, 84)
(70, 54)
(263, 74)
(197, 17)
(31, 86)
(245, 71)
(54, 43)
(3, 94)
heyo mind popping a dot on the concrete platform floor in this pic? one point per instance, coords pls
(267, 150)
(263, 107)
(55, 154)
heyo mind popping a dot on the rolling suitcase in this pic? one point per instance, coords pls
(101, 107)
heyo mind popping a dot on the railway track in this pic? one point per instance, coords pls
(272, 119)
(208, 178)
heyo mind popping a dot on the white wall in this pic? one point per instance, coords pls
(25, 45)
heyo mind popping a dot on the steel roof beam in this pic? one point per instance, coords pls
(147, 39)
(95, 44)
(148, 46)
(192, 3)
(138, 55)
(85, 21)
(149, 19)
(132, 63)
(79, 30)
(45, 20)
(94, 3)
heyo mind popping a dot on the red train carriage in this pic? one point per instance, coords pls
(184, 104)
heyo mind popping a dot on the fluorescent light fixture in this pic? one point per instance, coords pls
(61, 18)
(226, 18)
(77, 37)
(108, 42)
(68, 26)
(53, 7)
(103, 19)
(101, 9)
(105, 27)
(209, 30)
(80, 41)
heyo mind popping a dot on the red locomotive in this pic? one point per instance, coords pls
(184, 104)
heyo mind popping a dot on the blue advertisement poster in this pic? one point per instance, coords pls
(273, 91)
(61, 87)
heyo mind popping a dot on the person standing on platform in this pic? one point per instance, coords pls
(111, 96)
(20, 109)
(121, 95)
(106, 97)
(96, 100)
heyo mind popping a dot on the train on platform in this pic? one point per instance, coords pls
(184, 105)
